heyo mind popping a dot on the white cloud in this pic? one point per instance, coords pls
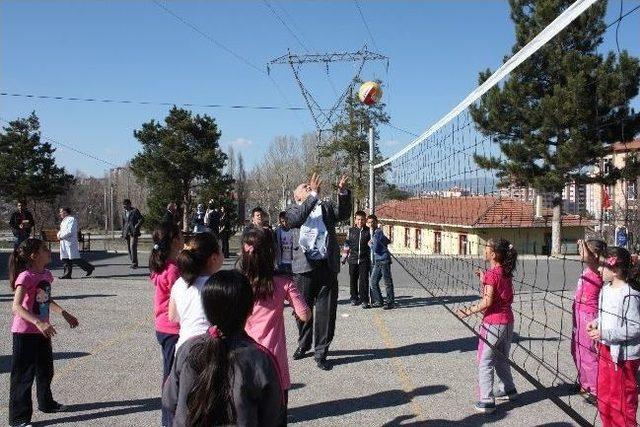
(240, 143)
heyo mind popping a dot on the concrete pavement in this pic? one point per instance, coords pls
(411, 366)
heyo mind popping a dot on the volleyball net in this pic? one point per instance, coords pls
(484, 172)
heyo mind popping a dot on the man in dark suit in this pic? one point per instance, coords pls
(131, 223)
(170, 214)
(316, 262)
(21, 223)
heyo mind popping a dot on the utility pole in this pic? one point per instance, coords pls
(372, 200)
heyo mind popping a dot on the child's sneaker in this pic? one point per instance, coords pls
(485, 407)
(507, 396)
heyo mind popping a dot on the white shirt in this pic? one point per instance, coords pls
(313, 235)
(189, 304)
(611, 301)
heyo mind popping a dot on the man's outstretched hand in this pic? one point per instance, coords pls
(315, 183)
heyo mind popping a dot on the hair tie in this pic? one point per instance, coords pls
(510, 246)
(248, 248)
(156, 247)
(214, 332)
(611, 261)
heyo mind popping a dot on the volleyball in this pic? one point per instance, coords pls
(370, 93)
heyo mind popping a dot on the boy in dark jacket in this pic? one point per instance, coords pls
(381, 265)
(359, 260)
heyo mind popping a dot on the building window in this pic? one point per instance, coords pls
(437, 242)
(418, 244)
(390, 233)
(407, 237)
(463, 245)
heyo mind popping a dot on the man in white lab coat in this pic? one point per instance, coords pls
(69, 252)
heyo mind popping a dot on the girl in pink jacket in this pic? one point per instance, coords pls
(585, 309)
(266, 322)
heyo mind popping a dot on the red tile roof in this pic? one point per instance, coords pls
(472, 211)
(626, 146)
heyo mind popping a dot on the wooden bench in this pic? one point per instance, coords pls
(50, 235)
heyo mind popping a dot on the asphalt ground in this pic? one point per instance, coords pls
(414, 365)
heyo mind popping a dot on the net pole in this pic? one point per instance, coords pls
(371, 172)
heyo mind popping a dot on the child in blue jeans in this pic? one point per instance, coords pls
(381, 266)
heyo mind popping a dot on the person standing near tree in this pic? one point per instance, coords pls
(131, 222)
(225, 231)
(69, 251)
(21, 223)
(316, 262)
(170, 214)
(212, 219)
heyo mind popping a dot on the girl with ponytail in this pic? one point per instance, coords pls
(223, 377)
(266, 322)
(200, 258)
(167, 244)
(496, 329)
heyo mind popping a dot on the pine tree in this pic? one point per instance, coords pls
(555, 115)
(28, 170)
(178, 159)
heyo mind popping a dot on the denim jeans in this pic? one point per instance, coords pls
(381, 269)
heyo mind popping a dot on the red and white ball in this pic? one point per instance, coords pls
(370, 93)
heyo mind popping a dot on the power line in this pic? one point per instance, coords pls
(364, 21)
(208, 37)
(164, 104)
(69, 147)
(279, 18)
(228, 50)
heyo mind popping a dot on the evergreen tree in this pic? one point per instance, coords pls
(28, 170)
(179, 159)
(555, 115)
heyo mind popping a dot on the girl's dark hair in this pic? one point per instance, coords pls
(258, 263)
(624, 266)
(163, 237)
(20, 259)
(597, 247)
(227, 301)
(506, 255)
(195, 255)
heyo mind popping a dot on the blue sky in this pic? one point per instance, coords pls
(135, 50)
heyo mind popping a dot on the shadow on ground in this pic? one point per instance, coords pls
(385, 399)
(408, 301)
(5, 360)
(447, 346)
(121, 407)
(93, 257)
(502, 411)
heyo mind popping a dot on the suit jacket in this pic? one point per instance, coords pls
(331, 214)
(131, 225)
(15, 221)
